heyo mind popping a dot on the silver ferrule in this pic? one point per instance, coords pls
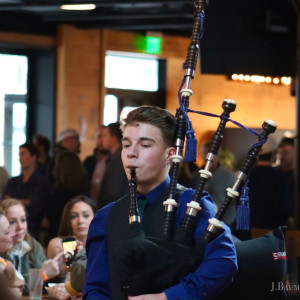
(178, 151)
(189, 75)
(169, 208)
(134, 218)
(212, 228)
(209, 161)
(192, 212)
(240, 178)
(179, 143)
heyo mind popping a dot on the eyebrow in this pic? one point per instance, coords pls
(75, 212)
(142, 139)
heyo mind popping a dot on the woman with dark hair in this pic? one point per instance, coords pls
(76, 218)
(69, 181)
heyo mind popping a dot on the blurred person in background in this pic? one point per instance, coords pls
(43, 145)
(285, 168)
(263, 188)
(76, 218)
(114, 171)
(95, 164)
(68, 140)
(216, 185)
(31, 188)
(69, 181)
(26, 253)
(11, 286)
(3, 179)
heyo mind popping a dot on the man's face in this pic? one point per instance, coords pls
(72, 143)
(26, 159)
(285, 156)
(107, 139)
(99, 139)
(145, 149)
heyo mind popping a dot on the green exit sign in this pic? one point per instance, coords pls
(153, 44)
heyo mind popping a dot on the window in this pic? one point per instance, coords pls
(131, 80)
(131, 73)
(13, 109)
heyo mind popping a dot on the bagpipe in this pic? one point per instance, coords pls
(144, 264)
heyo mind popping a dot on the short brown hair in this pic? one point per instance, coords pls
(156, 116)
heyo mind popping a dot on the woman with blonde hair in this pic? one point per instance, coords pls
(26, 252)
(11, 286)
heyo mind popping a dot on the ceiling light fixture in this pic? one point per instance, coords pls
(78, 6)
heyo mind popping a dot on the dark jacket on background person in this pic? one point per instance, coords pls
(36, 189)
(115, 183)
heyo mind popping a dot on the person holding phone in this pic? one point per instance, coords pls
(76, 218)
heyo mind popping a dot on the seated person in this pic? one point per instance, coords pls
(11, 286)
(30, 187)
(26, 252)
(75, 222)
(148, 134)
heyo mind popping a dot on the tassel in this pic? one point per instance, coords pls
(243, 210)
(190, 154)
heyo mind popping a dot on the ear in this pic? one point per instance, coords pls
(170, 151)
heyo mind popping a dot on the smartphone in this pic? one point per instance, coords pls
(70, 249)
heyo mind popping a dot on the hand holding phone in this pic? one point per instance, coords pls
(70, 249)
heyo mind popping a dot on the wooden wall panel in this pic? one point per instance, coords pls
(78, 83)
(127, 42)
(81, 91)
(255, 102)
(27, 39)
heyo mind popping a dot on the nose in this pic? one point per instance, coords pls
(80, 219)
(133, 151)
(11, 233)
(19, 226)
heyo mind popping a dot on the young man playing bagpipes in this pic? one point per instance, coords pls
(148, 137)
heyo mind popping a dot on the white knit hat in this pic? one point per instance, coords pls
(66, 133)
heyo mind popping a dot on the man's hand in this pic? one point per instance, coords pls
(161, 296)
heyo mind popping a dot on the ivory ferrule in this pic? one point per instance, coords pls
(214, 225)
(176, 158)
(231, 193)
(205, 174)
(170, 205)
(193, 208)
(186, 92)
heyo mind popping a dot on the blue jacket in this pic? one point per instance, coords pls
(213, 275)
